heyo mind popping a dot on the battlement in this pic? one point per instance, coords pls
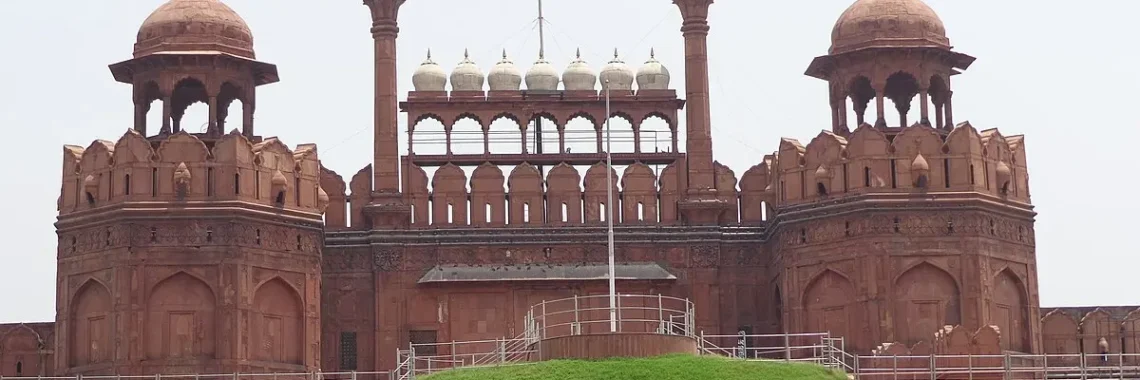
(181, 170)
(912, 160)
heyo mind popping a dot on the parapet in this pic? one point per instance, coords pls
(185, 171)
(912, 160)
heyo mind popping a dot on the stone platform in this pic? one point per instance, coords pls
(611, 345)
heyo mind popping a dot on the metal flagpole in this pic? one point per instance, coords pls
(610, 213)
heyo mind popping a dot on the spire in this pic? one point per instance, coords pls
(578, 53)
(465, 56)
(652, 54)
(541, 34)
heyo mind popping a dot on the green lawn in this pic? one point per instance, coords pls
(671, 367)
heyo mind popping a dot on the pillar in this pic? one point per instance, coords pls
(949, 109)
(880, 108)
(695, 28)
(387, 208)
(141, 108)
(924, 110)
(386, 152)
(700, 205)
(843, 114)
(212, 123)
(247, 108)
(167, 115)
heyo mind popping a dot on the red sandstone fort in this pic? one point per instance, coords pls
(225, 251)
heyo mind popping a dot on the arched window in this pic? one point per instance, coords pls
(127, 184)
(565, 210)
(487, 213)
(237, 184)
(640, 211)
(526, 212)
(866, 176)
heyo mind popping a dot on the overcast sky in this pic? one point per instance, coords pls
(1060, 72)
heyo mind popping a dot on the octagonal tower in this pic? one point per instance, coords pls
(889, 232)
(189, 252)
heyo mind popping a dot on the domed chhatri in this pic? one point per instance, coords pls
(578, 75)
(466, 76)
(617, 75)
(192, 26)
(888, 23)
(652, 75)
(429, 76)
(542, 76)
(504, 76)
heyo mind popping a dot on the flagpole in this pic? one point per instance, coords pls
(610, 214)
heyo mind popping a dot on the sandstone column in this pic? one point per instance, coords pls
(387, 209)
(387, 154)
(700, 205)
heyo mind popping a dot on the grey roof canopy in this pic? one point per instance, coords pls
(544, 272)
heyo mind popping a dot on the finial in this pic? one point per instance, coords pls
(651, 54)
(465, 53)
(578, 53)
(504, 54)
(429, 54)
(615, 54)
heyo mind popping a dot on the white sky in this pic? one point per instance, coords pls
(1055, 71)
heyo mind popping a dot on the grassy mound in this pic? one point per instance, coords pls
(671, 367)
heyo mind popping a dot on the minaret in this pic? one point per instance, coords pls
(699, 205)
(387, 209)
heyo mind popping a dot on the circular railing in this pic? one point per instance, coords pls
(631, 313)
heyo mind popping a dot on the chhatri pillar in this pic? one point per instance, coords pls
(700, 204)
(387, 209)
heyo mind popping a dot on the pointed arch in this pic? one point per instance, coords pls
(525, 189)
(20, 338)
(1130, 328)
(449, 196)
(827, 303)
(278, 323)
(1010, 311)
(926, 297)
(180, 318)
(488, 199)
(89, 330)
(1060, 334)
(596, 194)
(638, 195)
(564, 195)
(1097, 325)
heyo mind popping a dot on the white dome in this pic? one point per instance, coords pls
(504, 76)
(652, 75)
(542, 76)
(466, 76)
(429, 76)
(579, 76)
(619, 76)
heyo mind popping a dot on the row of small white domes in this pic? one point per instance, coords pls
(541, 76)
